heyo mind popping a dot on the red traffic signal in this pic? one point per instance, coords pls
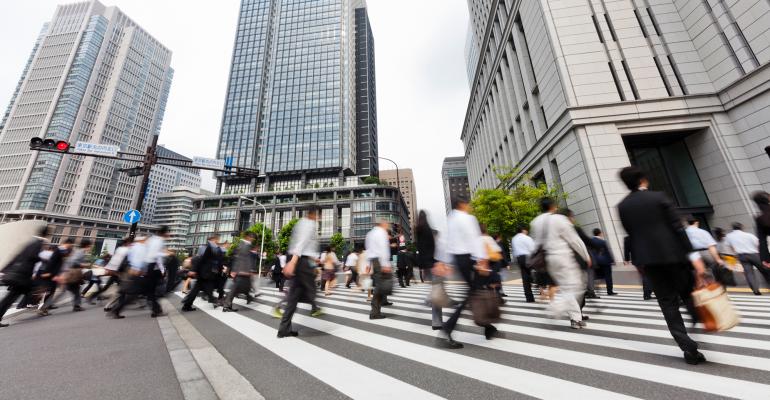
(59, 146)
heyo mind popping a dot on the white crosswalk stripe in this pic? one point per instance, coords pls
(625, 352)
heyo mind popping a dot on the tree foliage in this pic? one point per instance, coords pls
(372, 180)
(337, 241)
(512, 204)
(270, 245)
(284, 235)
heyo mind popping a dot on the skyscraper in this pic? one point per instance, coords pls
(406, 186)
(94, 75)
(300, 103)
(454, 175)
(568, 94)
(163, 179)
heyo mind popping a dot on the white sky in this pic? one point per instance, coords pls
(422, 89)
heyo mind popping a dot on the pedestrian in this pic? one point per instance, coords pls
(71, 276)
(147, 271)
(496, 259)
(206, 268)
(523, 247)
(114, 268)
(402, 260)
(351, 264)
(49, 271)
(242, 267)
(702, 242)
(277, 271)
(762, 199)
(365, 275)
(171, 263)
(465, 251)
(746, 247)
(303, 249)
(589, 268)
(659, 242)
(564, 250)
(505, 263)
(426, 261)
(329, 263)
(603, 259)
(378, 252)
(18, 273)
(628, 260)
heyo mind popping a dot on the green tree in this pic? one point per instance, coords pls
(284, 235)
(256, 229)
(512, 204)
(372, 180)
(337, 241)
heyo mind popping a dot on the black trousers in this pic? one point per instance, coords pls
(401, 275)
(303, 288)
(14, 292)
(206, 285)
(607, 271)
(670, 284)
(464, 264)
(526, 278)
(146, 285)
(241, 285)
(279, 279)
(114, 279)
(383, 286)
(353, 279)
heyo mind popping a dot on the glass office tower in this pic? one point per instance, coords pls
(293, 100)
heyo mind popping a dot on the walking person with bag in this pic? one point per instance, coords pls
(205, 269)
(658, 241)
(71, 277)
(378, 253)
(562, 248)
(746, 248)
(603, 258)
(18, 274)
(426, 261)
(465, 251)
(523, 247)
(329, 264)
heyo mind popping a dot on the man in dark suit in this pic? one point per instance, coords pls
(206, 269)
(603, 258)
(241, 270)
(18, 273)
(627, 259)
(658, 241)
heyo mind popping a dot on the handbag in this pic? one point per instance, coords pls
(366, 284)
(714, 308)
(74, 275)
(485, 306)
(438, 296)
(537, 259)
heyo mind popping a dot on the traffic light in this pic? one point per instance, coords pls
(59, 146)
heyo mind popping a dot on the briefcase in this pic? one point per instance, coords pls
(485, 306)
(714, 308)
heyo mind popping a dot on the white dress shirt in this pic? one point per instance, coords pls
(700, 239)
(464, 235)
(558, 236)
(352, 260)
(523, 245)
(304, 239)
(117, 259)
(743, 242)
(378, 246)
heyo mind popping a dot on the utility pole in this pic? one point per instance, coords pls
(150, 158)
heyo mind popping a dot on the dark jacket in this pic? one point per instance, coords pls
(601, 252)
(656, 234)
(19, 271)
(242, 259)
(209, 263)
(55, 262)
(763, 230)
(426, 247)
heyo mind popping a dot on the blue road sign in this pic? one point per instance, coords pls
(132, 216)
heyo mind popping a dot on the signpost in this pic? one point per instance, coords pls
(97, 149)
(132, 216)
(208, 163)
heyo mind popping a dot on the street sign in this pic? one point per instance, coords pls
(97, 149)
(132, 216)
(211, 163)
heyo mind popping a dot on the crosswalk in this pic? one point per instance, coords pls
(625, 352)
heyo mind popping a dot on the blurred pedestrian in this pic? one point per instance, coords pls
(351, 266)
(171, 263)
(115, 267)
(206, 267)
(378, 253)
(465, 251)
(426, 261)
(746, 247)
(241, 270)
(628, 260)
(70, 277)
(329, 264)
(303, 249)
(659, 242)
(603, 259)
(523, 247)
(277, 271)
(18, 273)
(564, 250)
(496, 259)
(48, 272)
(702, 242)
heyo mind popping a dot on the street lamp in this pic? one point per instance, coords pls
(398, 186)
(262, 245)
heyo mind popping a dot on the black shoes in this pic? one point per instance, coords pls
(647, 297)
(188, 309)
(503, 294)
(694, 357)
(77, 308)
(378, 316)
(156, 315)
(115, 316)
(592, 295)
(290, 334)
(387, 303)
(489, 332)
(449, 343)
(758, 293)
(229, 309)
(612, 294)
(435, 328)
(585, 318)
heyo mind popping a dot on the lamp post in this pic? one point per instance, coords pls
(398, 182)
(262, 245)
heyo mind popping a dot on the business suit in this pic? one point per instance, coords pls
(242, 266)
(18, 274)
(603, 259)
(658, 241)
(627, 256)
(426, 253)
(207, 270)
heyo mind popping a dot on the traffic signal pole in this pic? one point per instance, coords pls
(146, 161)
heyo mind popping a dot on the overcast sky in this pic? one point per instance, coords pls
(422, 89)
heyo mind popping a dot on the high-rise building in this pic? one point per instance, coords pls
(300, 103)
(94, 75)
(301, 108)
(174, 209)
(163, 179)
(454, 175)
(570, 93)
(407, 187)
